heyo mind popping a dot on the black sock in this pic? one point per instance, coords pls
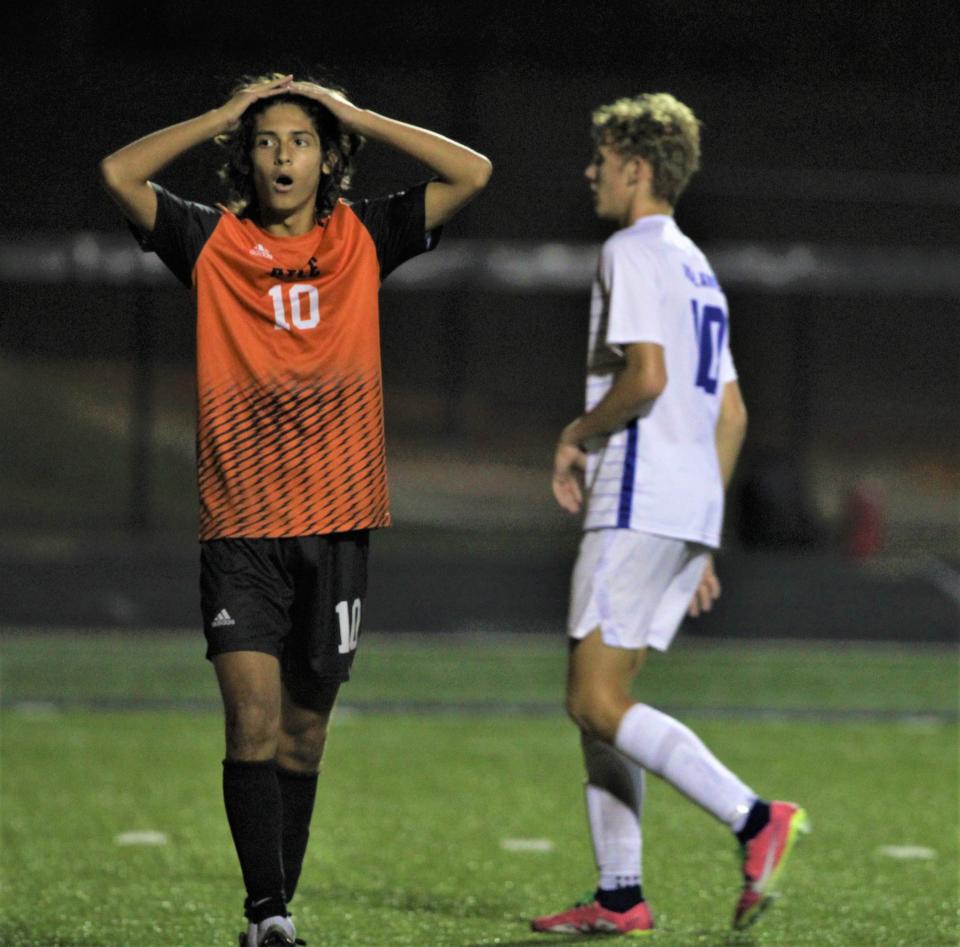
(757, 820)
(620, 899)
(251, 796)
(297, 790)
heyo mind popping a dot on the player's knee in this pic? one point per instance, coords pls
(301, 746)
(251, 728)
(595, 711)
(587, 709)
(579, 700)
(576, 709)
(302, 757)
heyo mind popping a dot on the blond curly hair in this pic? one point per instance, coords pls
(660, 129)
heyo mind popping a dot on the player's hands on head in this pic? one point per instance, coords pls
(345, 111)
(708, 591)
(233, 110)
(569, 462)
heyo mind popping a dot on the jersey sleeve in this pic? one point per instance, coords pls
(397, 225)
(634, 296)
(181, 230)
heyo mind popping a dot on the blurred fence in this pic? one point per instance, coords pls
(517, 266)
(848, 360)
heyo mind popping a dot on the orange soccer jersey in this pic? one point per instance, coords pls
(290, 404)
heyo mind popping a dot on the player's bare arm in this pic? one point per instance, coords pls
(126, 173)
(731, 431)
(462, 172)
(638, 384)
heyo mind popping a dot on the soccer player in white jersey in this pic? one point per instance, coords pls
(649, 460)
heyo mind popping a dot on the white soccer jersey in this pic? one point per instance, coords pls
(659, 473)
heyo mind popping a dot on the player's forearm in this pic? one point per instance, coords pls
(139, 161)
(731, 432)
(731, 429)
(453, 163)
(626, 399)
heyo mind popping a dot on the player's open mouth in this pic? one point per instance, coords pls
(282, 183)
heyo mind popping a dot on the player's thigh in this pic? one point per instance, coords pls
(251, 690)
(303, 728)
(307, 704)
(593, 666)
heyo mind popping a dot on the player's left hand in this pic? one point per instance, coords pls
(708, 591)
(569, 462)
(344, 110)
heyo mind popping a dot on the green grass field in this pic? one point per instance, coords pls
(442, 756)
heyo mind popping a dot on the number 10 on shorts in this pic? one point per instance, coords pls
(349, 618)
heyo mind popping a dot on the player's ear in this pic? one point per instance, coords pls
(640, 170)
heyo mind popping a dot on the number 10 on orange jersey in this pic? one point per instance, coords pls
(298, 317)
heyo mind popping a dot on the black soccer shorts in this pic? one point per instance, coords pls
(299, 599)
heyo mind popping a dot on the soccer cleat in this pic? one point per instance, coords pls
(764, 858)
(279, 939)
(591, 918)
(273, 932)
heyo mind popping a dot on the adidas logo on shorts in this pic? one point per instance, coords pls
(223, 618)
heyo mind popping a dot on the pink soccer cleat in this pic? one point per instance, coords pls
(764, 858)
(591, 918)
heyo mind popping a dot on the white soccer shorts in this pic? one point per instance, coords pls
(634, 586)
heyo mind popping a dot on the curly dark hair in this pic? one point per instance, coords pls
(658, 128)
(339, 149)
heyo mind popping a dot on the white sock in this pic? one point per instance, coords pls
(675, 753)
(614, 796)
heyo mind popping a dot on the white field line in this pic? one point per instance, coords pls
(932, 718)
(141, 838)
(539, 845)
(907, 852)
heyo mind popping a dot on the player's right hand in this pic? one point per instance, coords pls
(569, 462)
(708, 591)
(233, 110)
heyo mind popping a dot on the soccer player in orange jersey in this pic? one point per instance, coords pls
(290, 442)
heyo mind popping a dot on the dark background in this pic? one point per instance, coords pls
(829, 130)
